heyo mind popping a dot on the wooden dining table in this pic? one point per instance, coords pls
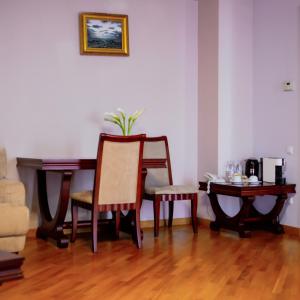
(53, 226)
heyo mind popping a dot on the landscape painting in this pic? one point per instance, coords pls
(104, 34)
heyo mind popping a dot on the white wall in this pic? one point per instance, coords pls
(235, 81)
(277, 113)
(225, 89)
(235, 127)
(258, 48)
(53, 99)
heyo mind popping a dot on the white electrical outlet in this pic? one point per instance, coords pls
(288, 86)
(291, 200)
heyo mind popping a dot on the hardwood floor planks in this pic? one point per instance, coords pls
(177, 265)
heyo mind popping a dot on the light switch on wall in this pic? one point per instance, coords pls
(290, 150)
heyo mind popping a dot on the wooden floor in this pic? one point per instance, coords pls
(177, 265)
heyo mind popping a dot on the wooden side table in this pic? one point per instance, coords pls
(248, 217)
(10, 266)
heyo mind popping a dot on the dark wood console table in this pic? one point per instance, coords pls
(53, 226)
(248, 217)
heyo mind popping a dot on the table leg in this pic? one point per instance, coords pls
(236, 223)
(247, 204)
(220, 215)
(270, 220)
(53, 226)
(274, 214)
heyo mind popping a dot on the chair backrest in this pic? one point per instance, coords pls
(3, 163)
(118, 177)
(157, 148)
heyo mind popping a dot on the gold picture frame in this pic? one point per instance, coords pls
(104, 34)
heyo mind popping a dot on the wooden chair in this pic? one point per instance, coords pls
(117, 183)
(159, 183)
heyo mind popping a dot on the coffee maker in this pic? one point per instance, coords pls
(273, 170)
(252, 167)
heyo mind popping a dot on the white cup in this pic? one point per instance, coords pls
(236, 178)
(253, 179)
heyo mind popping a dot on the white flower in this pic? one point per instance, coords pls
(120, 119)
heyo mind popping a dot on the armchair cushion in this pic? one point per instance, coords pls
(14, 215)
(12, 192)
(3, 163)
(14, 220)
(171, 189)
(13, 243)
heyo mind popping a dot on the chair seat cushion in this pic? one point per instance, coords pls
(12, 191)
(84, 196)
(171, 190)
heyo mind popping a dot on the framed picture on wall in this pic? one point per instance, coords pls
(104, 34)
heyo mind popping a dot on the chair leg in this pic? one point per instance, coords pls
(138, 228)
(94, 230)
(117, 223)
(194, 205)
(156, 209)
(171, 210)
(74, 210)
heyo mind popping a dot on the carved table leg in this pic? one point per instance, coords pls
(271, 220)
(214, 225)
(242, 216)
(53, 226)
(220, 215)
(236, 223)
(274, 213)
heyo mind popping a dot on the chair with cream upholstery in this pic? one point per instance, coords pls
(159, 183)
(14, 215)
(117, 183)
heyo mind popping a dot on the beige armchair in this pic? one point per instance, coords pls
(14, 215)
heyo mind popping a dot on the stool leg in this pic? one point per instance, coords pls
(171, 211)
(94, 230)
(74, 210)
(138, 228)
(117, 223)
(194, 205)
(156, 209)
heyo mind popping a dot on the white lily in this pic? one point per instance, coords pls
(120, 119)
(137, 114)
